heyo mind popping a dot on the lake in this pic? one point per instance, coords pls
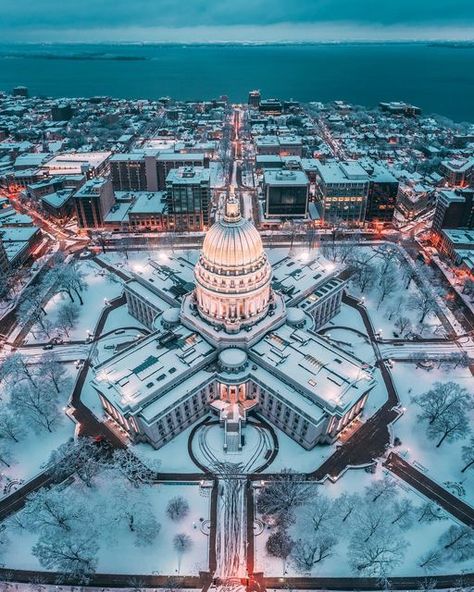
(436, 78)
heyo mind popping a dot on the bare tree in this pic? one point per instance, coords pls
(430, 512)
(384, 488)
(284, 493)
(431, 560)
(458, 543)
(402, 513)
(75, 556)
(346, 504)
(11, 427)
(177, 508)
(182, 544)
(312, 549)
(80, 458)
(37, 403)
(403, 324)
(67, 318)
(450, 426)
(423, 303)
(319, 513)
(52, 370)
(377, 556)
(279, 544)
(442, 399)
(468, 455)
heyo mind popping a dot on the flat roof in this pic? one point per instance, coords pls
(146, 371)
(188, 175)
(327, 375)
(285, 178)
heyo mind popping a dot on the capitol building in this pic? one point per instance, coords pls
(234, 334)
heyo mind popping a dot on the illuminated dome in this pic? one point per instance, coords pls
(233, 275)
(233, 243)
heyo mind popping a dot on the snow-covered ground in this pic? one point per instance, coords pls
(102, 285)
(34, 448)
(118, 552)
(420, 538)
(441, 464)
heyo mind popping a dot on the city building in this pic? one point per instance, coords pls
(342, 188)
(188, 196)
(254, 99)
(382, 193)
(454, 209)
(458, 172)
(90, 164)
(93, 201)
(399, 108)
(127, 172)
(59, 204)
(227, 343)
(286, 193)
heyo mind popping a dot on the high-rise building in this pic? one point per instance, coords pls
(381, 194)
(174, 160)
(286, 193)
(454, 209)
(188, 195)
(342, 188)
(128, 172)
(93, 201)
(20, 91)
(254, 99)
(458, 173)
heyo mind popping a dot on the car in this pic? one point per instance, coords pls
(48, 346)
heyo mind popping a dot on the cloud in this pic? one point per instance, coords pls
(96, 14)
(233, 20)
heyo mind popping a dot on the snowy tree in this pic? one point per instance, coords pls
(467, 455)
(182, 544)
(4, 540)
(403, 325)
(450, 426)
(431, 560)
(282, 495)
(68, 315)
(423, 303)
(346, 504)
(74, 555)
(80, 458)
(430, 512)
(177, 508)
(377, 556)
(70, 279)
(388, 258)
(31, 306)
(130, 505)
(52, 510)
(11, 427)
(14, 369)
(37, 403)
(385, 488)
(371, 519)
(319, 513)
(457, 543)
(312, 549)
(5, 453)
(387, 279)
(126, 463)
(279, 544)
(442, 399)
(402, 513)
(52, 370)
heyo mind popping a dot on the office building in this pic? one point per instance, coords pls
(188, 196)
(93, 201)
(286, 193)
(454, 209)
(342, 189)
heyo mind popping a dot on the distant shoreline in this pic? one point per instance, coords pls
(74, 57)
(427, 42)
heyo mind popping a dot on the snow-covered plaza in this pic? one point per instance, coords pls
(235, 414)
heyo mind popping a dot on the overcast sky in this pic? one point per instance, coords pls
(230, 20)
